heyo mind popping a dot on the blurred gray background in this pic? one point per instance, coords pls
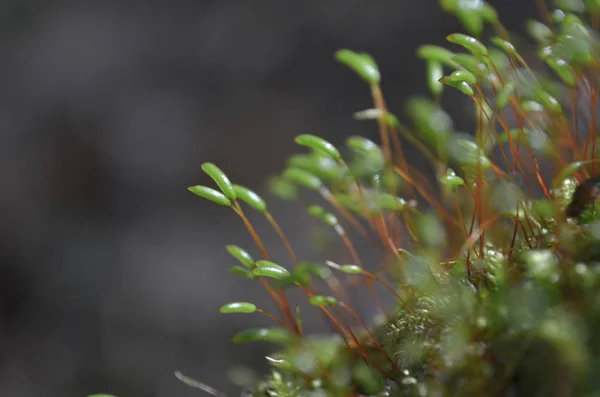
(111, 273)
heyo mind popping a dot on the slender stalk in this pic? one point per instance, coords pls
(386, 286)
(344, 333)
(426, 196)
(545, 12)
(460, 216)
(489, 120)
(513, 240)
(282, 298)
(383, 130)
(373, 338)
(279, 232)
(278, 321)
(347, 215)
(401, 159)
(350, 247)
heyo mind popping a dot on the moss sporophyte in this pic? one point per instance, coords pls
(492, 258)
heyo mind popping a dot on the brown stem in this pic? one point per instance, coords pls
(348, 243)
(514, 240)
(282, 301)
(347, 215)
(271, 316)
(381, 122)
(460, 216)
(490, 121)
(426, 196)
(386, 286)
(401, 159)
(286, 242)
(345, 333)
(373, 338)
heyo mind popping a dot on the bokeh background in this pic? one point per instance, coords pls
(111, 273)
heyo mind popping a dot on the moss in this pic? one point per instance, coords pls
(496, 277)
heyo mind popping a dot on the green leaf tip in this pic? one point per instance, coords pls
(470, 43)
(434, 53)
(321, 300)
(210, 194)
(327, 217)
(463, 75)
(548, 101)
(452, 180)
(530, 106)
(238, 307)
(505, 46)
(467, 153)
(462, 86)
(368, 114)
(434, 125)
(250, 197)
(351, 269)
(470, 63)
(361, 144)
(220, 179)
(435, 72)
(489, 13)
(274, 335)
(375, 114)
(303, 178)
(241, 255)
(504, 95)
(562, 69)
(270, 269)
(319, 144)
(386, 201)
(282, 187)
(539, 31)
(320, 165)
(461, 80)
(362, 63)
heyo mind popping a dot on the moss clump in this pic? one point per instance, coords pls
(497, 284)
